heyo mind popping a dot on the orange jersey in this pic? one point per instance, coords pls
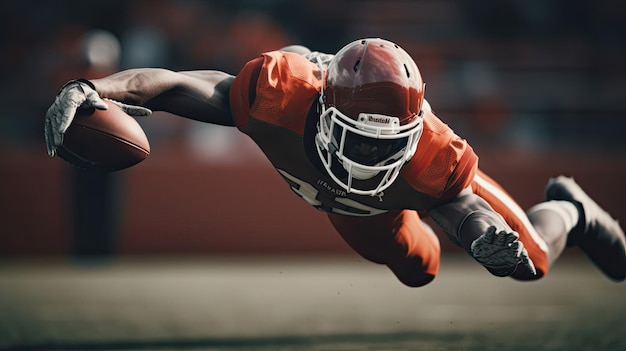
(273, 100)
(270, 101)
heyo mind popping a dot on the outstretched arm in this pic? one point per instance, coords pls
(473, 224)
(199, 95)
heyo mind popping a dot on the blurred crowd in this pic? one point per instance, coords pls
(535, 74)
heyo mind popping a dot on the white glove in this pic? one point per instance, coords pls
(501, 252)
(132, 110)
(74, 95)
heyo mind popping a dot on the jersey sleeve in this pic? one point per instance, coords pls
(443, 165)
(278, 88)
(243, 91)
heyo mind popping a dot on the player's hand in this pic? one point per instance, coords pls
(74, 95)
(60, 114)
(501, 252)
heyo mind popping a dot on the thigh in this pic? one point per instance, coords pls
(391, 238)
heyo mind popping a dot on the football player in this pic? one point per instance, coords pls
(353, 136)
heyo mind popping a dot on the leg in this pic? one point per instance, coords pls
(399, 240)
(596, 232)
(553, 220)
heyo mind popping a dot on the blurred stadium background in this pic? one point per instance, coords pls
(537, 87)
(212, 251)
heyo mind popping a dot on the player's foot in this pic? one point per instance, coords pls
(597, 233)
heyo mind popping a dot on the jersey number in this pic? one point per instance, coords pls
(332, 203)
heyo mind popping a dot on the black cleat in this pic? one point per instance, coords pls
(597, 233)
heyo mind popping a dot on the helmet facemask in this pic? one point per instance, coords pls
(370, 146)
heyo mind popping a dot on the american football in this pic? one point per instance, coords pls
(104, 140)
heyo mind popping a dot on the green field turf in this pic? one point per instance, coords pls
(313, 303)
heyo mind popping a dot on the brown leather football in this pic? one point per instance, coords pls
(104, 140)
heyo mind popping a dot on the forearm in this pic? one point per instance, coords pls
(466, 218)
(199, 95)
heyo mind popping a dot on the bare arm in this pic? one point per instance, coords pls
(198, 95)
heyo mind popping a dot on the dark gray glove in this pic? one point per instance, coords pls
(501, 252)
